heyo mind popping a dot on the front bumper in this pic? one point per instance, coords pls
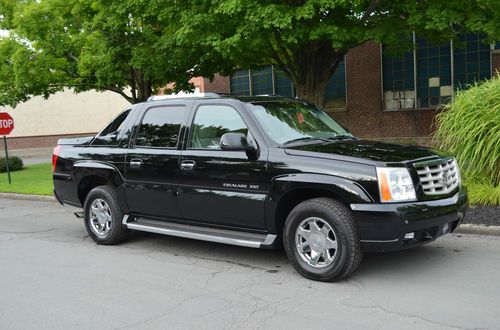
(383, 227)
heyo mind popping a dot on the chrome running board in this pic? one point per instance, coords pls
(201, 233)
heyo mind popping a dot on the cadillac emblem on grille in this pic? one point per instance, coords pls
(444, 177)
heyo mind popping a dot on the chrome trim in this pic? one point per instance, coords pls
(438, 177)
(202, 233)
(379, 241)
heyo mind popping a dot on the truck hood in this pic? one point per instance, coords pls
(370, 151)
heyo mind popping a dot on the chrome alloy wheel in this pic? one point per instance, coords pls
(316, 242)
(100, 217)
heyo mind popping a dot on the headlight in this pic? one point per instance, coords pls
(395, 184)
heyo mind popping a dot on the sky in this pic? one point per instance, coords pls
(3, 33)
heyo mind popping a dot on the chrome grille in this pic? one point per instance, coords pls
(438, 177)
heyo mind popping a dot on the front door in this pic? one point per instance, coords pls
(152, 162)
(220, 187)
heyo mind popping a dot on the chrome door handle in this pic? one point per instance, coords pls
(188, 165)
(135, 163)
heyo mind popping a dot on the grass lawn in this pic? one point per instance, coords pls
(33, 179)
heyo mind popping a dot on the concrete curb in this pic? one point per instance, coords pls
(28, 197)
(478, 230)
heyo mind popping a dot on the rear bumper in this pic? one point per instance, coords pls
(382, 227)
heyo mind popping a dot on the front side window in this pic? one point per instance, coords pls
(213, 121)
(109, 135)
(285, 122)
(160, 127)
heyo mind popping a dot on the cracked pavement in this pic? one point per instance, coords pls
(55, 277)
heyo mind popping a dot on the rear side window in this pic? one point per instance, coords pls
(109, 135)
(160, 127)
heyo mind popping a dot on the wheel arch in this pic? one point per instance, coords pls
(289, 191)
(90, 174)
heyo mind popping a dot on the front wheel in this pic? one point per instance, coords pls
(103, 216)
(321, 240)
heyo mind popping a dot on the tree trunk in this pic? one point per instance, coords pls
(310, 67)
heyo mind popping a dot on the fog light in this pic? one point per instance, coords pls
(446, 227)
(410, 235)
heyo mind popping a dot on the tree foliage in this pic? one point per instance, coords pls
(136, 47)
(307, 39)
(120, 46)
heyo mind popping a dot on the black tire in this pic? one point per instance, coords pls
(348, 254)
(117, 231)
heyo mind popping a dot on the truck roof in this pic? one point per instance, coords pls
(248, 99)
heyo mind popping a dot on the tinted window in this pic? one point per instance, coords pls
(160, 127)
(109, 135)
(213, 121)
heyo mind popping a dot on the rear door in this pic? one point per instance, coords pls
(152, 162)
(221, 187)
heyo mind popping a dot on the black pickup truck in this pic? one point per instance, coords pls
(259, 172)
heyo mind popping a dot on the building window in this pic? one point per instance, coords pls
(240, 82)
(282, 84)
(471, 60)
(431, 80)
(262, 80)
(270, 80)
(336, 89)
(433, 73)
(398, 81)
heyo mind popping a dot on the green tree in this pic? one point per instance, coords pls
(307, 39)
(120, 46)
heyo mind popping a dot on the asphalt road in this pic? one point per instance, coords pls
(54, 277)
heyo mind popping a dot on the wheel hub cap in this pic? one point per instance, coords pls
(100, 217)
(316, 242)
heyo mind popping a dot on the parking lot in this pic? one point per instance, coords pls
(55, 277)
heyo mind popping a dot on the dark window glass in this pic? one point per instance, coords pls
(282, 84)
(240, 84)
(433, 73)
(471, 60)
(335, 90)
(398, 80)
(109, 135)
(160, 127)
(262, 80)
(213, 121)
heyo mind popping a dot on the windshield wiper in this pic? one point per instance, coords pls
(305, 139)
(342, 137)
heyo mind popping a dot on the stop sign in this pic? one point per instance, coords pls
(6, 123)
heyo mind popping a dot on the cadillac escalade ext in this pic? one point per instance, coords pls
(259, 172)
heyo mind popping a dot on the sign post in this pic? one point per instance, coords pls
(6, 126)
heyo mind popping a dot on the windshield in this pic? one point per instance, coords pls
(286, 122)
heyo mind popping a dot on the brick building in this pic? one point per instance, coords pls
(379, 96)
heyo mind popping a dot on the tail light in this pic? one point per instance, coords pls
(55, 155)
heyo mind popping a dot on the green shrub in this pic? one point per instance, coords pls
(469, 128)
(483, 193)
(15, 164)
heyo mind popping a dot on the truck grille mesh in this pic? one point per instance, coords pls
(438, 178)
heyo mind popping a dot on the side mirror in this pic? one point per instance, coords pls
(235, 141)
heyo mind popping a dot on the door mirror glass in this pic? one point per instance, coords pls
(235, 141)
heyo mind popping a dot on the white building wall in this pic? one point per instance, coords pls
(65, 113)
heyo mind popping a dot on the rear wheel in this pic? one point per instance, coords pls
(321, 240)
(103, 216)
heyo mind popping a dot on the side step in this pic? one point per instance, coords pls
(202, 233)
